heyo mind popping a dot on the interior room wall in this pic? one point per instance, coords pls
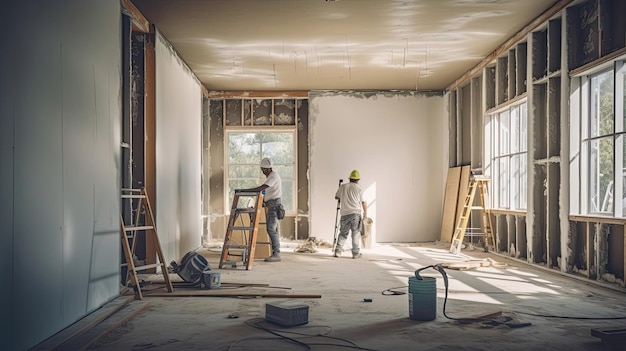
(397, 141)
(60, 102)
(178, 153)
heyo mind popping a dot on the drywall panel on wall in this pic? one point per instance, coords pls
(63, 163)
(178, 153)
(395, 140)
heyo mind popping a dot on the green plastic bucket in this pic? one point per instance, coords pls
(422, 298)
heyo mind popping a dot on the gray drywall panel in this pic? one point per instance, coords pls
(397, 142)
(65, 110)
(178, 153)
(7, 76)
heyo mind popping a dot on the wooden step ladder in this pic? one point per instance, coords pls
(244, 244)
(139, 218)
(479, 184)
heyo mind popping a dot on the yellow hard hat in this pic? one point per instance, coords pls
(355, 175)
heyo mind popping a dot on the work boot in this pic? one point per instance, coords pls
(273, 258)
(337, 254)
(357, 256)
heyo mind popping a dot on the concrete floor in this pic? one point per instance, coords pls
(561, 310)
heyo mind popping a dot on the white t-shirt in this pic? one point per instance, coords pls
(350, 196)
(274, 190)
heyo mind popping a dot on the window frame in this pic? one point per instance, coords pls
(290, 208)
(508, 155)
(587, 138)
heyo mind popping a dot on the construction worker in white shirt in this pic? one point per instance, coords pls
(351, 202)
(272, 201)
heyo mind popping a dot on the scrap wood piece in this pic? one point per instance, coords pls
(471, 264)
(209, 293)
(222, 284)
(610, 336)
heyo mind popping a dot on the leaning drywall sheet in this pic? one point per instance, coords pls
(450, 201)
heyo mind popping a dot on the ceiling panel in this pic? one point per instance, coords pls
(336, 45)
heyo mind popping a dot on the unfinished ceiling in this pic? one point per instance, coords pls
(341, 44)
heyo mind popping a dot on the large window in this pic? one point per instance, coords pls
(244, 154)
(602, 142)
(508, 131)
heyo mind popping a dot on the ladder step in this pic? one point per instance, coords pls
(246, 210)
(248, 193)
(133, 196)
(236, 247)
(149, 266)
(240, 228)
(142, 227)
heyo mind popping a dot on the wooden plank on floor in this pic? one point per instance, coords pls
(249, 293)
(449, 204)
(85, 323)
(89, 337)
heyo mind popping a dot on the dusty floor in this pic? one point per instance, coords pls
(561, 310)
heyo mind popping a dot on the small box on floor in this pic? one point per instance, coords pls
(210, 280)
(287, 314)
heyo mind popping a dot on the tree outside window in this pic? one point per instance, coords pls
(244, 154)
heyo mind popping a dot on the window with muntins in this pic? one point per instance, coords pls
(602, 142)
(245, 149)
(508, 130)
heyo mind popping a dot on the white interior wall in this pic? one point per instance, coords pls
(397, 141)
(178, 153)
(60, 107)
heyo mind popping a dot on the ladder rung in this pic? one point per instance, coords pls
(248, 193)
(133, 228)
(149, 266)
(246, 210)
(236, 247)
(240, 228)
(133, 196)
(131, 190)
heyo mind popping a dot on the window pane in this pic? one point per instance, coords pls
(523, 182)
(601, 175)
(244, 148)
(504, 183)
(288, 200)
(623, 175)
(244, 171)
(504, 133)
(279, 147)
(601, 105)
(515, 130)
(523, 129)
(515, 180)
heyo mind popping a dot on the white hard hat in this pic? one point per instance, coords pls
(266, 163)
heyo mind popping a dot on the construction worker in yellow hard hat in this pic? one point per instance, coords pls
(350, 197)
